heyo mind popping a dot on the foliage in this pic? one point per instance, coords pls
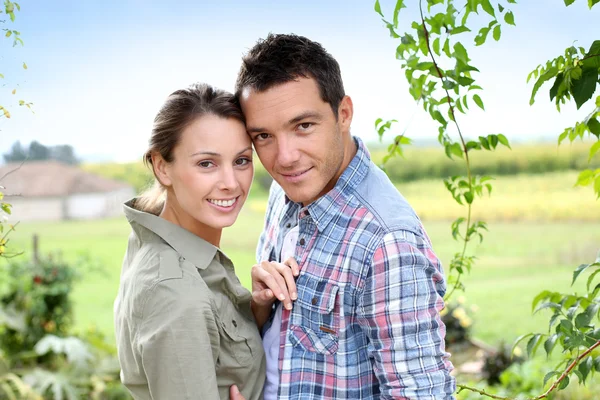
(444, 93)
(458, 321)
(540, 158)
(10, 8)
(495, 363)
(37, 151)
(40, 295)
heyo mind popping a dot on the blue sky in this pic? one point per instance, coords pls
(98, 71)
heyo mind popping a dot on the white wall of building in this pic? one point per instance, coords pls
(97, 205)
(35, 209)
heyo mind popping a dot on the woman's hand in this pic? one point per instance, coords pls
(272, 280)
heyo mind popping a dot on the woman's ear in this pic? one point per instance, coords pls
(161, 169)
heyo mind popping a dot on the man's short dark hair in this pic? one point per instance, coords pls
(281, 58)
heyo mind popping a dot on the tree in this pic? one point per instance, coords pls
(17, 153)
(434, 40)
(37, 152)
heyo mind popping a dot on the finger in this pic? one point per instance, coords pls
(293, 265)
(234, 393)
(278, 272)
(263, 297)
(268, 275)
(290, 282)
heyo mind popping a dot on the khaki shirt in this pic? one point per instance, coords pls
(183, 322)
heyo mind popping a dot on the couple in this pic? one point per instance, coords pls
(348, 290)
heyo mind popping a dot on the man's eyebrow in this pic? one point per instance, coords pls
(305, 115)
(293, 121)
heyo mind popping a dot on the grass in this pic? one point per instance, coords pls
(542, 228)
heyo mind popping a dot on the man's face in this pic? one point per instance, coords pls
(297, 137)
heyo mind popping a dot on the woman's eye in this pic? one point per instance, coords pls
(205, 164)
(243, 161)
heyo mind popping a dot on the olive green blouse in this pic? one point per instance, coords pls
(183, 323)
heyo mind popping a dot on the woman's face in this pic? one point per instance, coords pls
(210, 176)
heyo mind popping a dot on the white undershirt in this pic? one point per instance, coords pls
(272, 335)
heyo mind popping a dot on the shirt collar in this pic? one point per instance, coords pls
(191, 247)
(330, 204)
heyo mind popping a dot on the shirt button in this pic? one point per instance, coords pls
(314, 301)
(233, 321)
(288, 225)
(302, 241)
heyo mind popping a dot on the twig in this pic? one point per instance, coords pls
(462, 140)
(567, 371)
(482, 392)
(14, 170)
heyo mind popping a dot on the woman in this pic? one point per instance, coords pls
(184, 326)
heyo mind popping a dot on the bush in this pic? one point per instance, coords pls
(456, 316)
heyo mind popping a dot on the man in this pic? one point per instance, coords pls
(365, 320)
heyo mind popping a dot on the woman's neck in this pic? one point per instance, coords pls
(173, 213)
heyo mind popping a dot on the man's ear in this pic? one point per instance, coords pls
(161, 169)
(345, 113)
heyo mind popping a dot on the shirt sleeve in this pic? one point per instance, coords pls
(179, 341)
(399, 311)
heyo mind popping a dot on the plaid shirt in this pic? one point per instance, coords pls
(366, 324)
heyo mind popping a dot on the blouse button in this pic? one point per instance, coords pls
(302, 241)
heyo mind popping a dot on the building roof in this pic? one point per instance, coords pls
(52, 178)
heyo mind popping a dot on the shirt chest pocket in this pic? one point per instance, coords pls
(315, 317)
(236, 340)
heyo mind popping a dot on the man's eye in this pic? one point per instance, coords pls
(261, 136)
(305, 125)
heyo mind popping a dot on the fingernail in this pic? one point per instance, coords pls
(294, 295)
(288, 306)
(282, 297)
(235, 389)
(269, 293)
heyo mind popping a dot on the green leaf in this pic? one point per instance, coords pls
(591, 3)
(549, 344)
(519, 340)
(585, 367)
(497, 32)
(484, 142)
(509, 18)
(541, 80)
(550, 375)
(481, 36)
(502, 139)
(596, 146)
(461, 53)
(399, 6)
(565, 382)
(436, 46)
(592, 57)
(478, 101)
(8, 33)
(378, 8)
(446, 48)
(569, 2)
(459, 29)
(591, 279)
(583, 89)
(533, 344)
(557, 82)
(585, 178)
(469, 197)
(578, 271)
(493, 139)
(488, 8)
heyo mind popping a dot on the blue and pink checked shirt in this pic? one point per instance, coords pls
(366, 324)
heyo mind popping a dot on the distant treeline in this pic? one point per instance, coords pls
(418, 163)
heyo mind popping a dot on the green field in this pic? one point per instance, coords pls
(517, 259)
